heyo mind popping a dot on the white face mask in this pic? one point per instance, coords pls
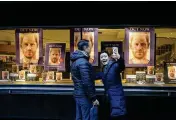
(115, 54)
(104, 58)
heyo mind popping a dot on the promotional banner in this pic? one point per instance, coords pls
(170, 73)
(139, 47)
(29, 46)
(90, 34)
(55, 56)
(116, 46)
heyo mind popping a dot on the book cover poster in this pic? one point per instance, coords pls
(58, 76)
(170, 73)
(140, 77)
(159, 77)
(90, 34)
(29, 45)
(150, 70)
(139, 47)
(50, 75)
(55, 56)
(33, 69)
(22, 75)
(5, 75)
(15, 68)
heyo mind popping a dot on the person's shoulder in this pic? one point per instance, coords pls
(82, 61)
(112, 63)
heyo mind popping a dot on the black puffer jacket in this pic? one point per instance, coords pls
(82, 75)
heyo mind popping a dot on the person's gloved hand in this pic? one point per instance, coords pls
(96, 102)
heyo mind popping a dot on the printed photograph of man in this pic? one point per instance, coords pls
(26, 66)
(15, 69)
(159, 77)
(139, 47)
(22, 75)
(29, 47)
(5, 75)
(33, 68)
(85, 36)
(150, 70)
(50, 75)
(54, 56)
(171, 72)
(58, 76)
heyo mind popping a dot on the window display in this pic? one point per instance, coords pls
(43, 56)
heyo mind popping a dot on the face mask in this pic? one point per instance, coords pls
(104, 58)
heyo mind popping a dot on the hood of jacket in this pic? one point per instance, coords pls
(78, 54)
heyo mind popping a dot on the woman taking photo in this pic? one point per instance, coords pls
(113, 65)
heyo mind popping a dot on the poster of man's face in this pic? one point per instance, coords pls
(55, 56)
(58, 76)
(140, 44)
(33, 69)
(26, 66)
(5, 75)
(139, 48)
(172, 72)
(90, 34)
(50, 75)
(86, 36)
(159, 77)
(28, 45)
(15, 68)
(150, 70)
(22, 75)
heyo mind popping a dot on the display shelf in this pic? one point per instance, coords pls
(70, 82)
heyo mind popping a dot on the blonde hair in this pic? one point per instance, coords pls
(171, 68)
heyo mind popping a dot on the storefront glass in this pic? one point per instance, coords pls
(42, 56)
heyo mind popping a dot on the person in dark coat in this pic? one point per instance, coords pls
(111, 79)
(83, 79)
